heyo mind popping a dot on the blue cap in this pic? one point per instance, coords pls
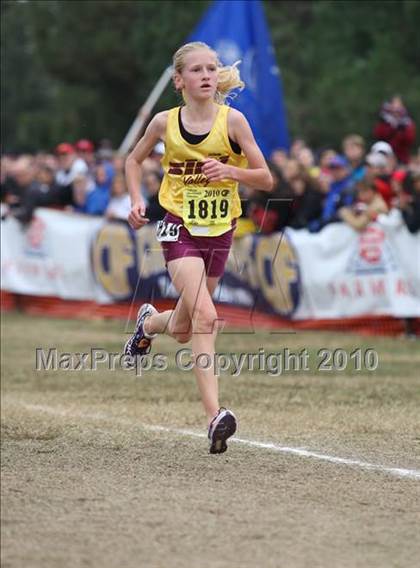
(338, 162)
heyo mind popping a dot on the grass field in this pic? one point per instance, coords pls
(96, 472)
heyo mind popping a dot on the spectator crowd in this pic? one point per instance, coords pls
(353, 184)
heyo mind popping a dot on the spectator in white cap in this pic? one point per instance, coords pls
(385, 149)
(377, 163)
(382, 147)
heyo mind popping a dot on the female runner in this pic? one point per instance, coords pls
(209, 150)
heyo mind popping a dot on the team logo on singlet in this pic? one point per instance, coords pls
(191, 170)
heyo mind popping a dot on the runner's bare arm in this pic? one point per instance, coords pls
(154, 132)
(257, 175)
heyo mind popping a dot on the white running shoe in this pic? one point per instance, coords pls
(139, 344)
(222, 427)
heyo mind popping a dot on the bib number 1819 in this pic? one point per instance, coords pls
(214, 209)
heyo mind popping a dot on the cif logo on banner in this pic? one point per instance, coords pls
(373, 255)
(126, 262)
(268, 265)
(278, 274)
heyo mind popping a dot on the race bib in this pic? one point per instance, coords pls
(167, 232)
(207, 211)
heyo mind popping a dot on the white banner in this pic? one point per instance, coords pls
(336, 273)
(346, 273)
(51, 257)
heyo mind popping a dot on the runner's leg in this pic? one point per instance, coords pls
(188, 277)
(177, 322)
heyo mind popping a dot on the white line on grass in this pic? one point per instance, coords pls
(397, 471)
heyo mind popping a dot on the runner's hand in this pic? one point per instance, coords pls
(137, 218)
(215, 170)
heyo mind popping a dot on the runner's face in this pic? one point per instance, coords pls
(199, 75)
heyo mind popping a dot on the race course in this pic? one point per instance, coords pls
(106, 468)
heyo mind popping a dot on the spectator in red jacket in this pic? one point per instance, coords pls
(396, 127)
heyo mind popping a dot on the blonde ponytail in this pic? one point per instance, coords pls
(229, 79)
(228, 76)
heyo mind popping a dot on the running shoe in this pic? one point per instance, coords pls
(222, 427)
(139, 343)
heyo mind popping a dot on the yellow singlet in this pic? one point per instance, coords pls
(207, 208)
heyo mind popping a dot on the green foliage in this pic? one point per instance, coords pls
(73, 68)
(341, 59)
(26, 91)
(82, 68)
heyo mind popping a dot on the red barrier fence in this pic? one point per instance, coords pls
(233, 316)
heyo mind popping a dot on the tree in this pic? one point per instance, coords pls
(26, 89)
(75, 69)
(340, 60)
(91, 63)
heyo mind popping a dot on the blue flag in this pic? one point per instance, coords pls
(238, 30)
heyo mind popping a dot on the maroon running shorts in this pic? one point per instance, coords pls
(213, 250)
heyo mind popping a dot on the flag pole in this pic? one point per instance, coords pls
(145, 111)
